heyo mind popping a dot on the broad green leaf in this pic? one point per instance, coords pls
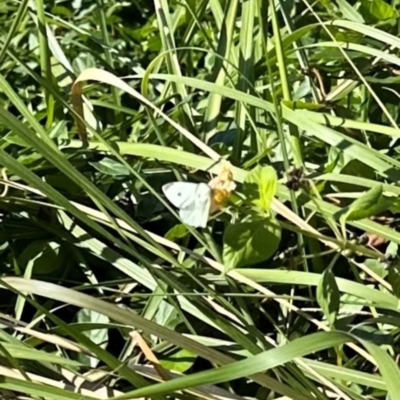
(177, 232)
(369, 204)
(249, 243)
(377, 266)
(377, 10)
(108, 166)
(328, 296)
(260, 186)
(392, 249)
(167, 316)
(180, 361)
(15, 139)
(97, 336)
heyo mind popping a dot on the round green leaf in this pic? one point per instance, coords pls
(249, 243)
(260, 186)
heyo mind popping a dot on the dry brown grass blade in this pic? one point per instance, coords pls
(138, 340)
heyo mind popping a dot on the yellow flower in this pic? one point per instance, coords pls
(222, 186)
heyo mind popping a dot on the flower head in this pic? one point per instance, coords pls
(222, 186)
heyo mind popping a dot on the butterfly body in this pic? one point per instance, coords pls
(193, 201)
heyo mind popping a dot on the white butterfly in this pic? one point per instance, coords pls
(193, 201)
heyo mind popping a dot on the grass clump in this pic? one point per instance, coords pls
(287, 111)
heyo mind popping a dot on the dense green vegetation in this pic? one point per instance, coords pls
(291, 291)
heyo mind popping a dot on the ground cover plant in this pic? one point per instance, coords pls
(288, 111)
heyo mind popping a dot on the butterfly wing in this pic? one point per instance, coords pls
(197, 212)
(180, 194)
(193, 201)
